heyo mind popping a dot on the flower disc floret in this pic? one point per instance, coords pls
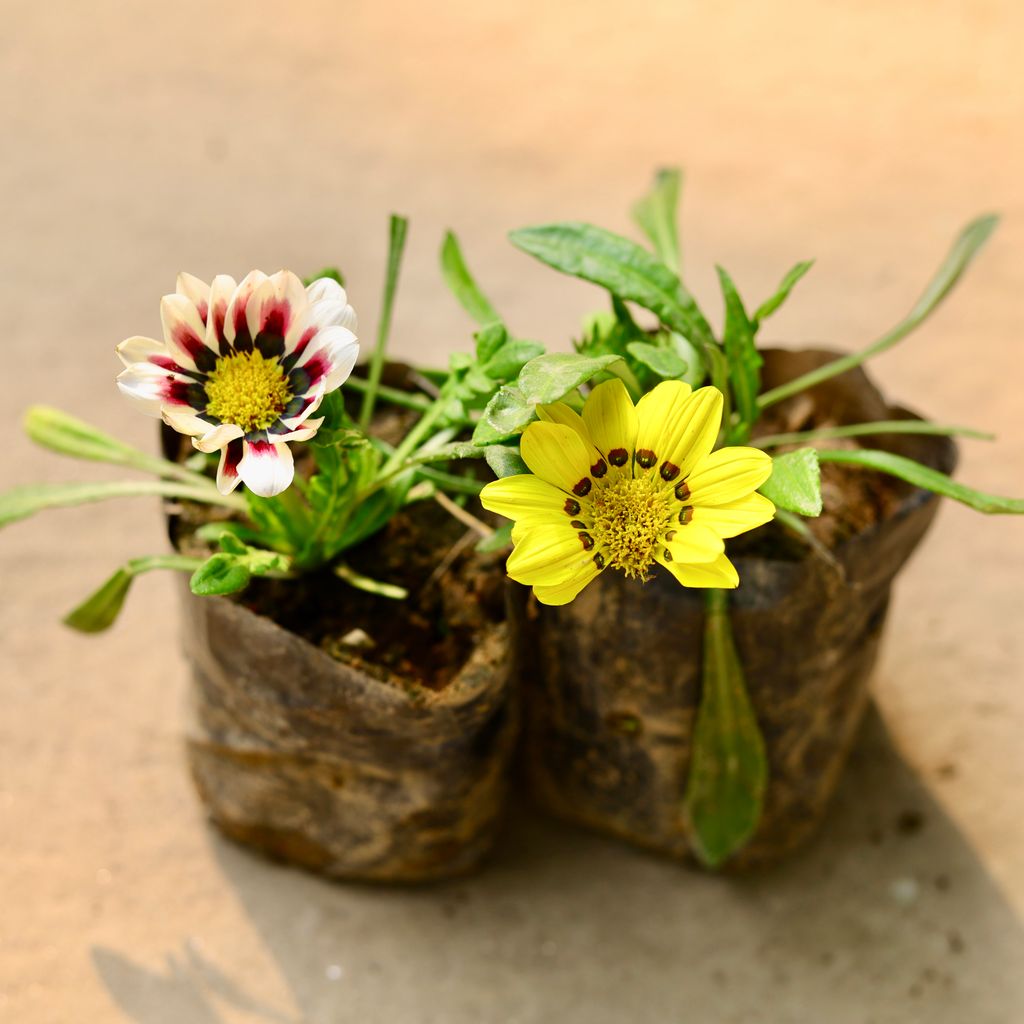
(626, 487)
(629, 519)
(246, 389)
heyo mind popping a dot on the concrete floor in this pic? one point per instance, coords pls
(140, 139)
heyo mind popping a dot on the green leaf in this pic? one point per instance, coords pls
(875, 427)
(398, 229)
(696, 370)
(621, 266)
(729, 768)
(511, 358)
(504, 460)
(741, 352)
(769, 306)
(99, 611)
(220, 574)
(489, 339)
(497, 541)
(657, 216)
(664, 362)
(923, 476)
(332, 272)
(964, 249)
(22, 502)
(547, 378)
(795, 483)
(461, 282)
(505, 415)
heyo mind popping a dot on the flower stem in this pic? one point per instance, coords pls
(877, 427)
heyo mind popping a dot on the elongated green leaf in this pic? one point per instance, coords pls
(696, 370)
(101, 608)
(769, 306)
(22, 502)
(795, 483)
(461, 282)
(623, 267)
(489, 339)
(657, 215)
(729, 768)
(398, 229)
(741, 352)
(664, 362)
(964, 249)
(923, 476)
(875, 427)
(547, 378)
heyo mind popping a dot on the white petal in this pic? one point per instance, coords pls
(227, 471)
(196, 291)
(184, 421)
(236, 314)
(138, 350)
(302, 434)
(294, 422)
(185, 333)
(325, 288)
(221, 291)
(218, 437)
(280, 295)
(145, 384)
(266, 469)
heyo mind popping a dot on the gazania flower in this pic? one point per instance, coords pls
(243, 367)
(624, 487)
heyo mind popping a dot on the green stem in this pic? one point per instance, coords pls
(148, 562)
(416, 435)
(395, 396)
(964, 248)
(451, 482)
(877, 427)
(399, 228)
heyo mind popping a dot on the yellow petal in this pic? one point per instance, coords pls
(678, 427)
(548, 555)
(557, 454)
(735, 517)
(694, 543)
(563, 593)
(728, 475)
(720, 573)
(525, 498)
(611, 419)
(559, 412)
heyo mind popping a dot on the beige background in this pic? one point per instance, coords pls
(143, 138)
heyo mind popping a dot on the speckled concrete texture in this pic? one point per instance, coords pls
(139, 139)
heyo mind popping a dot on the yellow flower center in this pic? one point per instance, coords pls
(629, 518)
(248, 390)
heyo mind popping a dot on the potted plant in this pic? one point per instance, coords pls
(351, 706)
(709, 722)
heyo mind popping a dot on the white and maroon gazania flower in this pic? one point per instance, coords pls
(243, 367)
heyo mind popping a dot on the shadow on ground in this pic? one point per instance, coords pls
(887, 917)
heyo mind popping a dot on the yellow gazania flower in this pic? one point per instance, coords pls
(623, 487)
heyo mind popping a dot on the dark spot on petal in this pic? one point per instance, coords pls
(599, 468)
(578, 524)
(682, 491)
(299, 381)
(685, 515)
(670, 535)
(599, 560)
(271, 345)
(669, 471)
(572, 508)
(586, 540)
(618, 456)
(666, 554)
(583, 487)
(645, 458)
